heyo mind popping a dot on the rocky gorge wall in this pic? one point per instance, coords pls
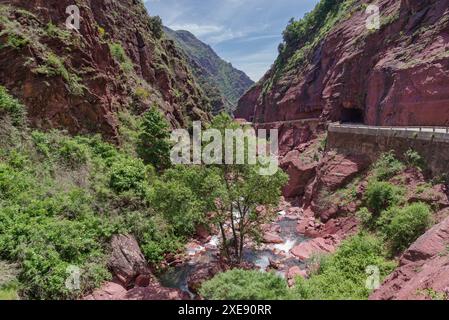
(396, 75)
(79, 80)
(433, 147)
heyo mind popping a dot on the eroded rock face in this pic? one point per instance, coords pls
(423, 271)
(334, 172)
(83, 86)
(127, 262)
(300, 173)
(395, 76)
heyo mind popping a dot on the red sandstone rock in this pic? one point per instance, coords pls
(158, 65)
(299, 173)
(333, 172)
(143, 281)
(156, 292)
(423, 271)
(109, 291)
(202, 233)
(202, 273)
(337, 170)
(436, 196)
(307, 249)
(295, 271)
(399, 83)
(269, 237)
(127, 261)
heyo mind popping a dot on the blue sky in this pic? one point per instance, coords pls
(243, 32)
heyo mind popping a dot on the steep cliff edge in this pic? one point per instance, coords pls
(78, 80)
(221, 82)
(331, 66)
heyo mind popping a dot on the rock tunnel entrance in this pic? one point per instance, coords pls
(352, 116)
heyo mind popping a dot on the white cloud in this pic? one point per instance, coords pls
(198, 30)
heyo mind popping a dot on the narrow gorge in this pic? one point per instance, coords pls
(93, 207)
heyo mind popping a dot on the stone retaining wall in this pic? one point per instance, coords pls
(372, 141)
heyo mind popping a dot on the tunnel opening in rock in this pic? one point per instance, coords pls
(352, 116)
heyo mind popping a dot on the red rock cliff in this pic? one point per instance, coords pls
(397, 75)
(74, 80)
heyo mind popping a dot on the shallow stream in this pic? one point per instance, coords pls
(177, 277)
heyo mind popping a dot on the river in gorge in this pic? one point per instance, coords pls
(177, 277)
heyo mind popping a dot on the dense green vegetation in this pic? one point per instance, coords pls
(343, 275)
(62, 198)
(245, 285)
(401, 226)
(386, 212)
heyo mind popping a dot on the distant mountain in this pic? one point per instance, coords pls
(222, 83)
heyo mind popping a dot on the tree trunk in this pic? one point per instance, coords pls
(234, 233)
(225, 242)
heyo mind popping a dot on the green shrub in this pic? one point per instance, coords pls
(156, 27)
(128, 174)
(365, 217)
(9, 291)
(12, 182)
(245, 285)
(414, 159)
(120, 55)
(46, 243)
(381, 195)
(12, 107)
(54, 31)
(17, 41)
(73, 153)
(387, 166)
(55, 66)
(154, 234)
(400, 227)
(343, 275)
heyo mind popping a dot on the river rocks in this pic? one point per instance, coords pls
(294, 272)
(202, 273)
(300, 173)
(108, 291)
(155, 292)
(307, 249)
(273, 264)
(269, 237)
(423, 270)
(127, 261)
(194, 248)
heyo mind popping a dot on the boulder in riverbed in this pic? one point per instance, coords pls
(307, 249)
(127, 261)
